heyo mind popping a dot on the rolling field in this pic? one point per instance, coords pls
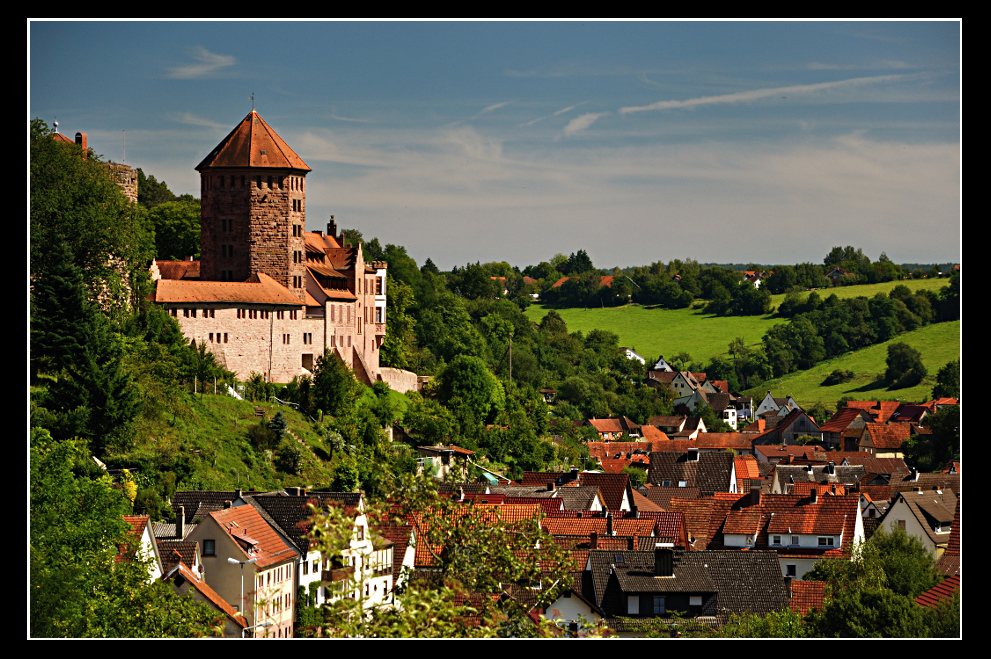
(938, 344)
(870, 290)
(653, 331)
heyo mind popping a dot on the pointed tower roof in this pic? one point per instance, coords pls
(253, 143)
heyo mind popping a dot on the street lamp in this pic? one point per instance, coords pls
(234, 561)
(267, 623)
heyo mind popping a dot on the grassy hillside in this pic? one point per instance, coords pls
(870, 290)
(654, 331)
(938, 344)
(211, 443)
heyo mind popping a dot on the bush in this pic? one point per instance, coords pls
(262, 437)
(291, 457)
(838, 376)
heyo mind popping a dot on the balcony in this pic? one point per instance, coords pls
(337, 574)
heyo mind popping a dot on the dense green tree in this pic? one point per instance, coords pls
(74, 201)
(467, 383)
(151, 192)
(78, 586)
(427, 421)
(75, 344)
(869, 613)
(335, 389)
(400, 339)
(948, 381)
(904, 366)
(177, 229)
(931, 452)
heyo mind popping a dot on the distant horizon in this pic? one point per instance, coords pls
(514, 141)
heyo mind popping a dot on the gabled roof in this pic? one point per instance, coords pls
(291, 514)
(932, 508)
(710, 473)
(888, 436)
(612, 486)
(253, 143)
(200, 503)
(180, 570)
(842, 419)
(662, 496)
(253, 534)
(258, 289)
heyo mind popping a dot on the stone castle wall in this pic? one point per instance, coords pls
(126, 177)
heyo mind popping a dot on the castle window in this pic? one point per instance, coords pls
(258, 181)
(378, 314)
(225, 337)
(185, 313)
(211, 337)
(242, 181)
(270, 182)
(378, 286)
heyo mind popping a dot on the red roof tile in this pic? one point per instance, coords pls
(807, 595)
(259, 289)
(253, 143)
(246, 526)
(943, 590)
(207, 592)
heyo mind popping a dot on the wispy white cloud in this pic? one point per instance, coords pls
(582, 122)
(492, 108)
(191, 119)
(554, 114)
(757, 94)
(207, 64)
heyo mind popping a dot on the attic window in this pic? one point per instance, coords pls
(618, 558)
(665, 483)
(682, 483)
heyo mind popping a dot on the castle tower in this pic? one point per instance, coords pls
(253, 209)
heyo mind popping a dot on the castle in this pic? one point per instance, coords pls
(267, 296)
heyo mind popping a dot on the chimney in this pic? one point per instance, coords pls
(609, 531)
(593, 540)
(634, 512)
(227, 504)
(831, 467)
(630, 543)
(813, 496)
(693, 454)
(754, 494)
(663, 562)
(574, 473)
(788, 586)
(238, 494)
(332, 228)
(81, 141)
(550, 486)
(180, 523)
(913, 475)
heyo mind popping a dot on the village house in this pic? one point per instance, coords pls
(244, 554)
(926, 514)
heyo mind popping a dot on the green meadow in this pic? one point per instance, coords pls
(653, 332)
(938, 343)
(870, 290)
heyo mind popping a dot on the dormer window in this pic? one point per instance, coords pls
(826, 541)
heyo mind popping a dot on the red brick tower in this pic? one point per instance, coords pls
(253, 217)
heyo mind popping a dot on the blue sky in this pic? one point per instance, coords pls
(766, 142)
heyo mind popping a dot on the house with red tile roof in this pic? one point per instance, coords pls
(942, 591)
(185, 580)
(884, 440)
(806, 595)
(802, 530)
(613, 427)
(268, 580)
(847, 418)
(267, 295)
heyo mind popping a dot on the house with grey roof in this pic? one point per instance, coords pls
(706, 586)
(710, 472)
(924, 514)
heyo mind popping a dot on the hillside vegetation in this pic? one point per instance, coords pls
(939, 343)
